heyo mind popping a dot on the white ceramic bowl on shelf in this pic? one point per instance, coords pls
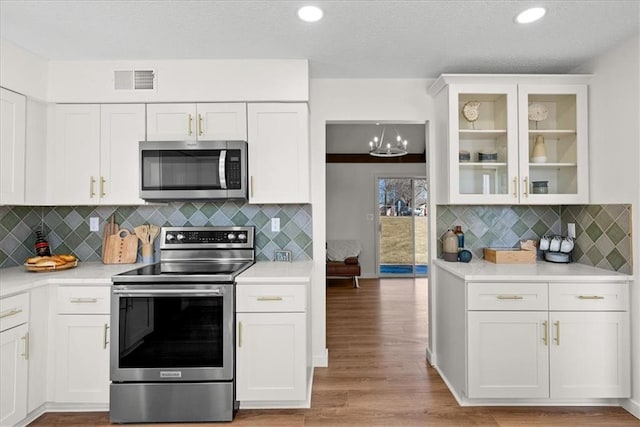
(539, 159)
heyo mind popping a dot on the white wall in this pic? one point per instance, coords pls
(22, 71)
(340, 100)
(183, 81)
(614, 153)
(352, 195)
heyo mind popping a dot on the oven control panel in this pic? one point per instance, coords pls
(175, 237)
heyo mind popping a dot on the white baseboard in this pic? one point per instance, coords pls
(430, 356)
(321, 361)
(631, 406)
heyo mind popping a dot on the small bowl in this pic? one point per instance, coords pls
(464, 156)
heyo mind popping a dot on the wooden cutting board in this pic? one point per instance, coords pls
(110, 229)
(122, 248)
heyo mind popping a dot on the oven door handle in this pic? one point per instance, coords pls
(160, 292)
(222, 169)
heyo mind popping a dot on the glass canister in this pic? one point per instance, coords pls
(540, 187)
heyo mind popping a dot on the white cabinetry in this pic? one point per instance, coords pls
(278, 139)
(12, 147)
(82, 344)
(14, 355)
(578, 347)
(271, 343)
(190, 122)
(95, 154)
(489, 157)
(39, 322)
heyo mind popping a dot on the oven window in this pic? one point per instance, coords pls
(180, 170)
(171, 332)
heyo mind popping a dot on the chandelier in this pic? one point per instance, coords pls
(378, 148)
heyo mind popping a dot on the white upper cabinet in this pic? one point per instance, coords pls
(191, 122)
(12, 147)
(121, 128)
(95, 154)
(278, 140)
(511, 139)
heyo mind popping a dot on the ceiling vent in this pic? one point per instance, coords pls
(134, 80)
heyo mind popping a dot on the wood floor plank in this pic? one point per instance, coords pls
(378, 375)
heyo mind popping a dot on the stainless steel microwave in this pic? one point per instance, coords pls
(193, 170)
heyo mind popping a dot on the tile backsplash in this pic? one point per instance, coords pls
(603, 232)
(67, 227)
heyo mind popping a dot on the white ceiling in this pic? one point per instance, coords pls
(356, 39)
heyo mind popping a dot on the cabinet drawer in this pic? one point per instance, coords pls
(14, 311)
(589, 296)
(271, 298)
(84, 299)
(507, 296)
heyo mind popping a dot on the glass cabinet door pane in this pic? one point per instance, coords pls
(552, 144)
(483, 156)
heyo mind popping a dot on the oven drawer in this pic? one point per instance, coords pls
(14, 311)
(263, 298)
(84, 299)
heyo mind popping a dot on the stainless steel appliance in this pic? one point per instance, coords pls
(173, 328)
(190, 170)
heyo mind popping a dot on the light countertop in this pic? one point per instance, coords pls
(14, 280)
(484, 271)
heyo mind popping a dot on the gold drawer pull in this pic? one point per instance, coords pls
(11, 312)
(83, 300)
(105, 338)
(269, 298)
(509, 297)
(590, 297)
(239, 334)
(545, 337)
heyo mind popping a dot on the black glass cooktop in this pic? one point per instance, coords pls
(187, 271)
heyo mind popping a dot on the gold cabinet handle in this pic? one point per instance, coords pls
(102, 183)
(239, 334)
(526, 186)
(200, 131)
(11, 312)
(515, 187)
(251, 187)
(545, 331)
(590, 297)
(105, 341)
(92, 182)
(269, 298)
(25, 338)
(83, 300)
(190, 122)
(509, 297)
(557, 338)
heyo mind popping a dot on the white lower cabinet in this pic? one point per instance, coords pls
(589, 354)
(579, 347)
(271, 356)
(82, 345)
(14, 358)
(13, 372)
(507, 355)
(271, 343)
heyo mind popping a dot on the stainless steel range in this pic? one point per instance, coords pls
(173, 328)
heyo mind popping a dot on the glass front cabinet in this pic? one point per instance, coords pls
(507, 139)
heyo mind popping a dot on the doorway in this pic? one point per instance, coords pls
(402, 224)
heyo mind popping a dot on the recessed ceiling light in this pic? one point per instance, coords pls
(310, 13)
(530, 15)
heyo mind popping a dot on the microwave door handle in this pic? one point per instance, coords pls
(222, 170)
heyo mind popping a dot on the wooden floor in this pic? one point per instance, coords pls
(378, 375)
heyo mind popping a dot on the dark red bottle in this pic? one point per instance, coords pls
(42, 246)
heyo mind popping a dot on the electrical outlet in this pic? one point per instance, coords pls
(369, 217)
(571, 230)
(94, 225)
(275, 225)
